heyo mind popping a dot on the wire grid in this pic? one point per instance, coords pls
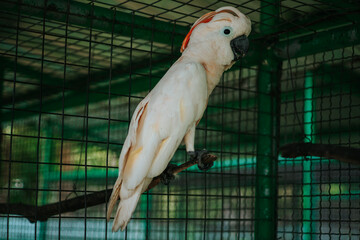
(70, 87)
(330, 194)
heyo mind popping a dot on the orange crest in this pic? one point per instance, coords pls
(203, 19)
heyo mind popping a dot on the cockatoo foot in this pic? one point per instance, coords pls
(199, 157)
(167, 175)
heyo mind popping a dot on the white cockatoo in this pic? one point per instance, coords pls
(169, 114)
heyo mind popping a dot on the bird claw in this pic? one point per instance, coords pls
(199, 157)
(167, 175)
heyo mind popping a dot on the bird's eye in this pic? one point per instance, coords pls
(227, 31)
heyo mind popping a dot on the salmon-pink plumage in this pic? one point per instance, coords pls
(169, 114)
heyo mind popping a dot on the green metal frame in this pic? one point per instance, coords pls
(267, 131)
(45, 173)
(309, 131)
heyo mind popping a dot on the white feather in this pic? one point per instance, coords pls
(171, 111)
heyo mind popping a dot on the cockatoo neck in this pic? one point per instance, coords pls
(210, 61)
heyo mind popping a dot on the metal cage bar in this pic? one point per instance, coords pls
(267, 141)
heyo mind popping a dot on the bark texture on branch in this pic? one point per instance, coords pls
(42, 213)
(330, 151)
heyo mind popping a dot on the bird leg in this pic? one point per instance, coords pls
(167, 175)
(199, 156)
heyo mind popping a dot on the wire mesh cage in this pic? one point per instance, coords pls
(73, 72)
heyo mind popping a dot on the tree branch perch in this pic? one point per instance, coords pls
(330, 151)
(42, 213)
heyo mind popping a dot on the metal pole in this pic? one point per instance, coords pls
(2, 76)
(267, 142)
(307, 178)
(47, 151)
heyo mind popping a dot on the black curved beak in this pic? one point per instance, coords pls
(239, 46)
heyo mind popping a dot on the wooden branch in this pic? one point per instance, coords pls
(42, 213)
(330, 151)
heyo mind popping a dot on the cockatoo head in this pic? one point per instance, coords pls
(220, 35)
